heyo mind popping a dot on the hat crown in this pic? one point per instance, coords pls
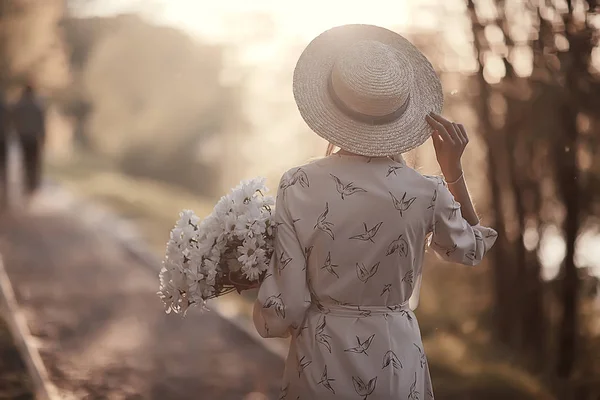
(372, 78)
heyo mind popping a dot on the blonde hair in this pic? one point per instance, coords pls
(330, 149)
(397, 157)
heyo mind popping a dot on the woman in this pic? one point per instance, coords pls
(352, 227)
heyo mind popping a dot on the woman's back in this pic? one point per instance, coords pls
(351, 234)
(364, 222)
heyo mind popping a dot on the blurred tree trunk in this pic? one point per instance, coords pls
(516, 181)
(524, 188)
(567, 178)
(505, 303)
(574, 67)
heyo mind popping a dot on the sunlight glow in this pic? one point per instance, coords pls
(301, 19)
(552, 252)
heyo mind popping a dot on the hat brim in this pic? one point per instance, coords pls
(311, 79)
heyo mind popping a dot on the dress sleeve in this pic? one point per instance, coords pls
(283, 297)
(454, 239)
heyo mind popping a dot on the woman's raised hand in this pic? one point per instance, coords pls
(449, 141)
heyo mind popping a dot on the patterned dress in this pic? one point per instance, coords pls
(350, 241)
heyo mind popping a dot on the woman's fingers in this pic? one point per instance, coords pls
(437, 139)
(447, 124)
(450, 128)
(440, 128)
(453, 130)
(464, 132)
(457, 132)
(459, 135)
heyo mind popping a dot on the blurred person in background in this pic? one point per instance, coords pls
(29, 122)
(4, 143)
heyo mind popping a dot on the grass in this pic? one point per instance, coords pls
(153, 207)
(461, 369)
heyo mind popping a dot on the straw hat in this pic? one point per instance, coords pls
(367, 90)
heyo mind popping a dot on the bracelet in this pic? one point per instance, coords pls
(462, 174)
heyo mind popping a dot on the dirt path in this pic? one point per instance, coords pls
(14, 381)
(101, 329)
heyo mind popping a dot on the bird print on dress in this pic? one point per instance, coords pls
(413, 393)
(422, 358)
(284, 261)
(447, 250)
(386, 289)
(363, 313)
(451, 250)
(299, 176)
(408, 278)
(362, 347)
(302, 364)
(329, 266)
(404, 204)
(429, 393)
(277, 303)
(369, 233)
(399, 246)
(433, 199)
(399, 309)
(314, 299)
(364, 273)
(471, 255)
(406, 314)
(362, 389)
(391, 359)
(320, 336)
(284, 392)
(324, 225)
(301, 329)
(338, 302)
(346, 189)
(307, 253)
(392, 170)
(326, 381)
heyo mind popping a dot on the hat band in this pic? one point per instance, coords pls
(365, 118)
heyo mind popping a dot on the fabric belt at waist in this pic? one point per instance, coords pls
(353, 311)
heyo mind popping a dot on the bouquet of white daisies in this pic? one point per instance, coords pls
(229, 250)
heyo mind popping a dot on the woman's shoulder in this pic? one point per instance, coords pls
(435, 180)
(298, 176)
(413, 176)
(314, 165)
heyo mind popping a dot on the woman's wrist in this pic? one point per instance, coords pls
(457, 180)
(453, 173)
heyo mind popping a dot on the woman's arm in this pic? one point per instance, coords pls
(458, 188)
(449, 141)
(284, 295)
